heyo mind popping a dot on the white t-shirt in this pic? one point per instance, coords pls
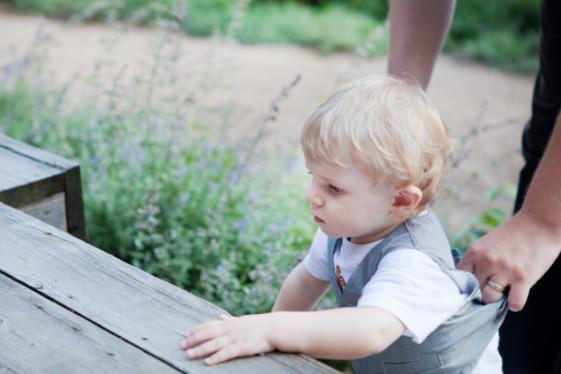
(400, 286)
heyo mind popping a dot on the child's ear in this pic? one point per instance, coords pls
(406, 200)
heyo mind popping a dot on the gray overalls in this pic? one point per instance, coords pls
(457, 344)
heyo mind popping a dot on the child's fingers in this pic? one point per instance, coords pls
(227, 353)
(203, 333)
(209, 347)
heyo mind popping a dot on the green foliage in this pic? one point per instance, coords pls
(502, 48)
(488, 220)
(63, 8)
(205, 18)
(375, 9)
(503, 33)
(329, 29)
(143, 11)
(333, 27)
(499, 33)
(178, 205)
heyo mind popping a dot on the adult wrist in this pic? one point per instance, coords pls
(539, 224)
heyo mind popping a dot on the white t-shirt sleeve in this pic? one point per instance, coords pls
(412, 287)
(315, 261)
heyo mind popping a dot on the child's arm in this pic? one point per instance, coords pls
(300, 291)
(343, 333)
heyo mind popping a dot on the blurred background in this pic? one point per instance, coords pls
(185, 116)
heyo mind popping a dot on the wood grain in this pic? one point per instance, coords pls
(51, 210)
(39, 336)
(141, 309)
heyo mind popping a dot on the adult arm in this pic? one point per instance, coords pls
(519, 252)
(418, 30)
(342, 333)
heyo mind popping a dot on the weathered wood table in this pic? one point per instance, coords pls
(68, 307)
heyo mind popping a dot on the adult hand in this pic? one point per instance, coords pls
(515, 255)
(229, 337)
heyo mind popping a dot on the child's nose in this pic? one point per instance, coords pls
(314, 200)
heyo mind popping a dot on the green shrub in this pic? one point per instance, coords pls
(329, 30)
(143, 11)
(205, 18)
(333, 27)
(503, 34)
(196, 212)
(490, 219)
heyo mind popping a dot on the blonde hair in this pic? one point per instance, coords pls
(387, 127)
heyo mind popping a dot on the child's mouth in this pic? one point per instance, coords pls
(318, 220)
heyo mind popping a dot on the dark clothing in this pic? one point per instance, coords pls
(530, 340)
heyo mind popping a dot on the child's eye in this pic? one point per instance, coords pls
(335, 189)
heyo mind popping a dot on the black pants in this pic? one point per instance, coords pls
(530, 340)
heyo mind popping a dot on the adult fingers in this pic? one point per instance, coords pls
(474, 262)
(209, 347)
(466, 263)
(494, 289)
(518, 295)
(484, 264)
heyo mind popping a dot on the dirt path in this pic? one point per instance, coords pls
(243, 80)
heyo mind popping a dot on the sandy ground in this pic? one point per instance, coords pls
(484, 108)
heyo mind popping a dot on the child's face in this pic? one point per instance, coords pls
(346, 202)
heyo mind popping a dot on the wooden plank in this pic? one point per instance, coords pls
(36, 154)
(17, 170)
(40, 336)
(134, 305)
(51, 210)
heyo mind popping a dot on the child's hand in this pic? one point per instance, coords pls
(229, 337)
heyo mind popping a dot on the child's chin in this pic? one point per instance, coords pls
(331, 233)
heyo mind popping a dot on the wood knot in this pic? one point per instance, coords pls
(37, 285)
(76, 328)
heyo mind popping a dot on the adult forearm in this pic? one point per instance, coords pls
(543, 198)
(344, 333)
(418, 30)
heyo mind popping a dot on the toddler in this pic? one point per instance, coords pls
(376, 151)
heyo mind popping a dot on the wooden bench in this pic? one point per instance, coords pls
(42, 184)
